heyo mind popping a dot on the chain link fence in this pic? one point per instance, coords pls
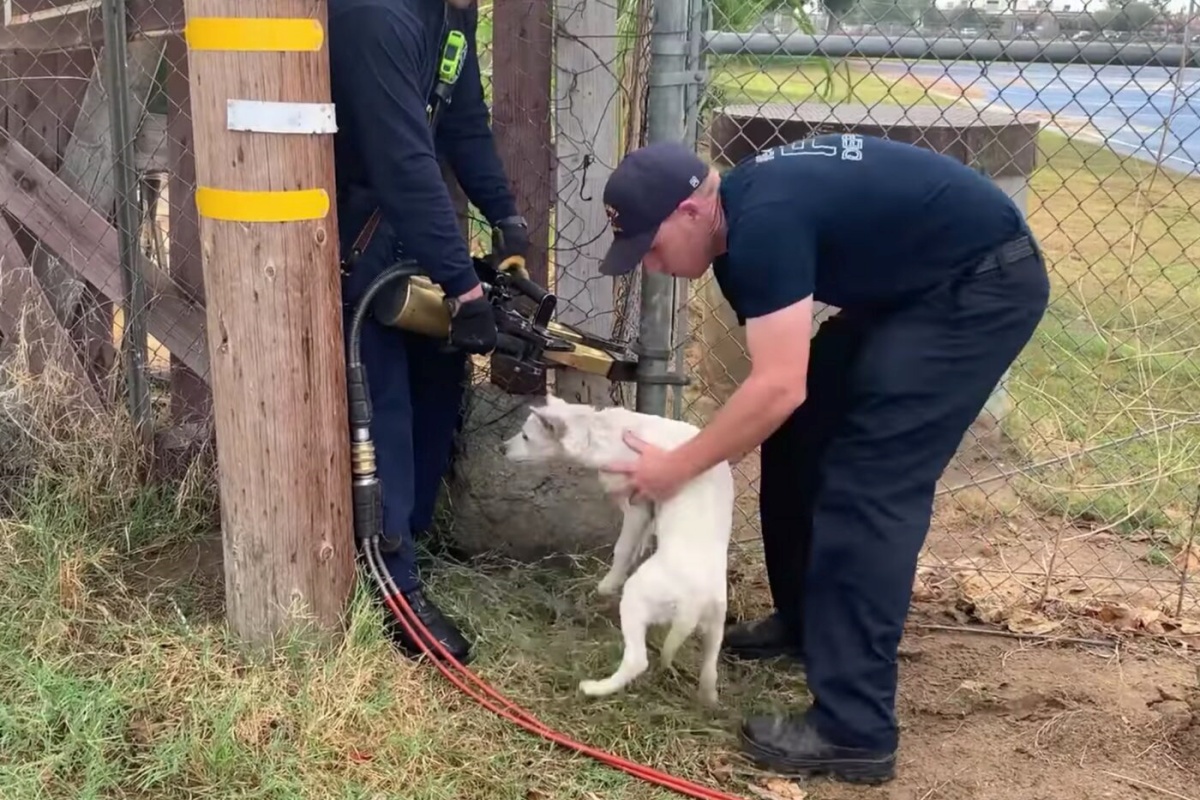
(1074, 498)
(101, 248)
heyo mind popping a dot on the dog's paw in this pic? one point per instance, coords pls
(594, 688)
(608, 586)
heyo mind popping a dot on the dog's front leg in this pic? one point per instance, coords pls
(635, 527)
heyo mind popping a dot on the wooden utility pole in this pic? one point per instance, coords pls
(260, 94)
(522, 69)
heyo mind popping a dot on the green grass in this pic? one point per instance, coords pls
(115, 685)
(119, 682)
(739, 80)
(1117, 353)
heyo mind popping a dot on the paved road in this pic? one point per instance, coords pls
(1127, 106)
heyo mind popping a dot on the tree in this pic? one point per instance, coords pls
(1129, 15)
(902, 11)
(961, 17)
(742, 15)
(837, 8)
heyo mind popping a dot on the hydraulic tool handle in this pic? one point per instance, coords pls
(509, 345)
(506, 345)
(513, 268)
(528, 288)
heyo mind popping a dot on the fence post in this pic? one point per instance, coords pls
(665, 113)
(134, 338)
(269, 241)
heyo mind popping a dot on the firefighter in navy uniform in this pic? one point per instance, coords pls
(939, 284)
(384, 59)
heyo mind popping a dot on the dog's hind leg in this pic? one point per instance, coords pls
(685, 621)
(635, 619)
(712, 631)
(635, 528)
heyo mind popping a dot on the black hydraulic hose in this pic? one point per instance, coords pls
(403, 269)
(366, 491)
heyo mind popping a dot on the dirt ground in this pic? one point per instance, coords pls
(987, 718)
(1064, 697)
(985, 714)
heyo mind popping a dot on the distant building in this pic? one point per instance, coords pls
(1026, 6)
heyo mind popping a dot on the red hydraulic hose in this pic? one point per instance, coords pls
(510, 711)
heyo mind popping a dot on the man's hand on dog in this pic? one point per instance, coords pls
(656, 475)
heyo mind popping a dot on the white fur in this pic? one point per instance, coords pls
(684, 582)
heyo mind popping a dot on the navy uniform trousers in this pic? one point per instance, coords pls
(416, 402)
(416, 393)
(848, 481)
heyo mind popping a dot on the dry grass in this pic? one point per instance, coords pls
(119, 680)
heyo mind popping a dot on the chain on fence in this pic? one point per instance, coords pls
(1075, 495)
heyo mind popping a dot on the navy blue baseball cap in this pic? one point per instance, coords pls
(646, 188)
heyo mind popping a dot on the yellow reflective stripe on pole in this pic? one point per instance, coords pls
(231, 205)
(246, 34)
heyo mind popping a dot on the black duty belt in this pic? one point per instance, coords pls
(1008, 253)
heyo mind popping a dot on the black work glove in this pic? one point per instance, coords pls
(510, 243)
(473, 327)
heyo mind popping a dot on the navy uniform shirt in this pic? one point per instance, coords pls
(855, 221)
(383, 63)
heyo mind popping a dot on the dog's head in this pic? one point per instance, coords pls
(554, 431)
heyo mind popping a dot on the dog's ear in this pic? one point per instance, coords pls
(554, 400)
(555, 425)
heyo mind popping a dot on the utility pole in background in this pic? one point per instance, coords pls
(262, 121)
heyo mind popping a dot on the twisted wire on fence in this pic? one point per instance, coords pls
(1075, 496)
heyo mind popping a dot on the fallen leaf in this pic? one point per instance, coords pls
(991, 603)
(1130, 618)
(779, 789)
(1189, 560)
(922, 592)
(1031, 624)
(1186, 627)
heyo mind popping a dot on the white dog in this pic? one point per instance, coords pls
(684, 581)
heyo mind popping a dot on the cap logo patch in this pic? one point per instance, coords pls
(612, 218)
(695, 182)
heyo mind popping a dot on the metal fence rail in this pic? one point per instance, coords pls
(1074, 498)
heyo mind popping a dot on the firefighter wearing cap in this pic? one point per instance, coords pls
(940, 285)
(384, 65)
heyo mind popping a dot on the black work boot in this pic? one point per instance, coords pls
(435, 621)
(791, 747)
(764, 638)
